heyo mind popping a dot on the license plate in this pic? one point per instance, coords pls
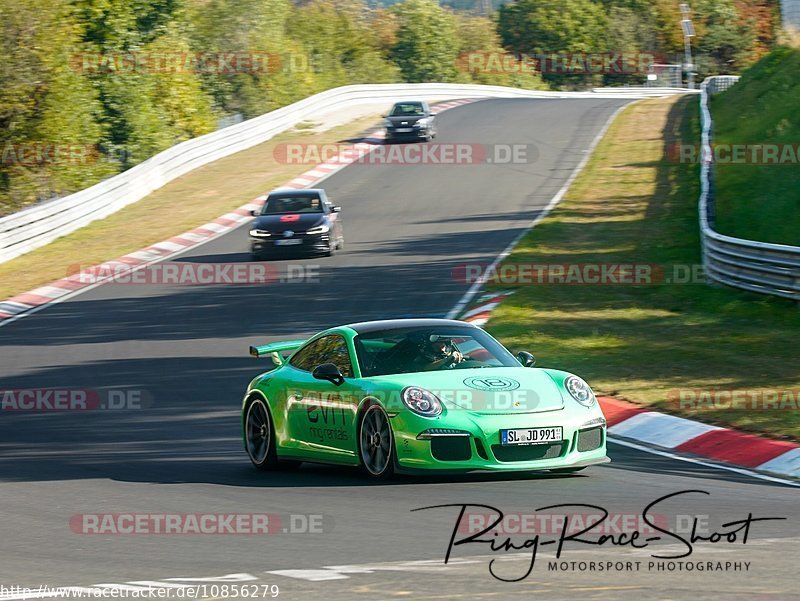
(288, 242)
(403, 130)
(528, 436)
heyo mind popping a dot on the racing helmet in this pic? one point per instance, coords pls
(436, 348)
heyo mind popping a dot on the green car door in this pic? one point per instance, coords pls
(321, 416)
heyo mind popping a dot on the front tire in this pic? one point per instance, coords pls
(376, 443)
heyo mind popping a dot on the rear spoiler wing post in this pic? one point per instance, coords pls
(274, 349)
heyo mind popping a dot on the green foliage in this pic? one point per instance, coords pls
(544, 26)
(44, 106)
(537, 27)
(426, 48)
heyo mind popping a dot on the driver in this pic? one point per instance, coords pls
(437, 352)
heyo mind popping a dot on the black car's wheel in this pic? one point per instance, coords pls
(376, 443)
(260, 438)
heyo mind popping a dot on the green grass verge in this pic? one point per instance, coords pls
(761, 202)
(645, 342)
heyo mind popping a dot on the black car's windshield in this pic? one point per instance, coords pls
(408, 109)
(408, 350)
(276, 205)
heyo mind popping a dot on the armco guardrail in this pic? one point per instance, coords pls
(756, 266)
(38, 225)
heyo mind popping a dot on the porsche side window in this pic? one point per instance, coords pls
(328, 349)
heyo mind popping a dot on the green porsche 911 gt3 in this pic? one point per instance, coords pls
(417, 394)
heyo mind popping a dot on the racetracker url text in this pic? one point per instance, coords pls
(142, 591)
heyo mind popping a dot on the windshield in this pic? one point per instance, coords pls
(408, 109)
(408, 350)
(291, 204)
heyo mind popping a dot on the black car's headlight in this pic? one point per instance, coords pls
(256, 233)
(580, 391)
(387, 123)
(422, 402)
(319, 229)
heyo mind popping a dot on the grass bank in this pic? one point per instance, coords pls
(760, 201)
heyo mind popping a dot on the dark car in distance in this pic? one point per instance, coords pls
(296, 221)
(410, 120)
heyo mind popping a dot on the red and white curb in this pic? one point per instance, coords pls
(630, 422)
(482, 308)
(29, 302)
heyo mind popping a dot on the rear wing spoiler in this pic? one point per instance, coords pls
(274, 350)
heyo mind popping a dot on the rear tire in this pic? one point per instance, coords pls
(376, 443)
(260, 438)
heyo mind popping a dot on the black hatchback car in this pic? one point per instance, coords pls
(295, 221)
(410, 120)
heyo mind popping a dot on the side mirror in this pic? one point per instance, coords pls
(432, 114)
(254, 213)
(526, 359)
(336, 209)
(329, 372)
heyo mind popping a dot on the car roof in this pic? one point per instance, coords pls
(421, 102)
(394, 324)
(299, 193)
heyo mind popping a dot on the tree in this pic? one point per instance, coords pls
(44, 105)
(553, 27)
(481, 60)
(426, 47)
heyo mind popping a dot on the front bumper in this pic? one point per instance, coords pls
(316, 243)
(415, 133)
(471, 442)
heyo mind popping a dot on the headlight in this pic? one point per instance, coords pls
(388, 123)
(421, 401)
(580, 391)
(260, 233)
(320, 229)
